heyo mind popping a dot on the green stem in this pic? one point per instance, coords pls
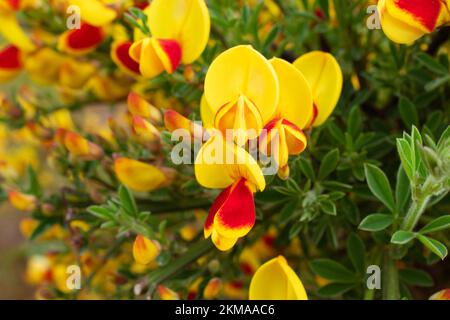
(415, 212)
(195, 251)
(391, 289)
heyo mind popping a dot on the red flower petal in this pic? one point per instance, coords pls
(84, 38)
(121, 52)
(173, 50)
(426, 11)
(220, 200)
(236, 216)
(10, 58)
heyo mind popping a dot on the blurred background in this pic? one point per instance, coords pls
(12, 261)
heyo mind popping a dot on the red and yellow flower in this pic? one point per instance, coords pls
(283, 135)
(80, 147)
(180, 32)
(220, 164)
(120, 55)
(405, 21)
(441, 295)
(145, 250)
(10, 62)
(81, 41)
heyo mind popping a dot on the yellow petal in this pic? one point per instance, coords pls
(74, 74)
(296, 103)
(13, 33)
(21, 201)
(324, 76)
(144, 130)
(222, 243)
(238, 71)
(167, 294)
(95, 12)
(138, 106)
(186, 21)
(206, 113)
(144, 52)
(219, 164)
(212, 289)
(138, 176)
(275, 280)
(395, 29)
(44, 66)
(145, 250)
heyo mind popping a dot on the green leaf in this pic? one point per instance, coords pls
(334, 289)
(438, 224)
(307, 169)
(376, 222)
(416, 277)
(329, 163)
(430, 63)
(354, 122)
(332, 270)
(100, 212)
(402, 237)
(127, 200)
(435, 246)
(33, 184)
(357, 252)
(402, 190)
(379, 185)
(328, 207)
(335, 132)
(444, 140)
(295, 230)
(286, 214)
(271, 37)
(408, 112)
(40, 229)
(405, 153)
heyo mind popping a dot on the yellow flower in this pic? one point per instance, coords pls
(275, 280)
(38, 270)
(405, 21)
(138, 176)
(44, 66)
(95, 12)
(13, 33)
(144, 130)
(212, 289)
(75, 74)
(167, 294)
(283, 135)
(108, 88)
(145, 250)
(81, 147)
(180, 32)
(21, 201)
(138, 106)
(242, 91)
(324, 76)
